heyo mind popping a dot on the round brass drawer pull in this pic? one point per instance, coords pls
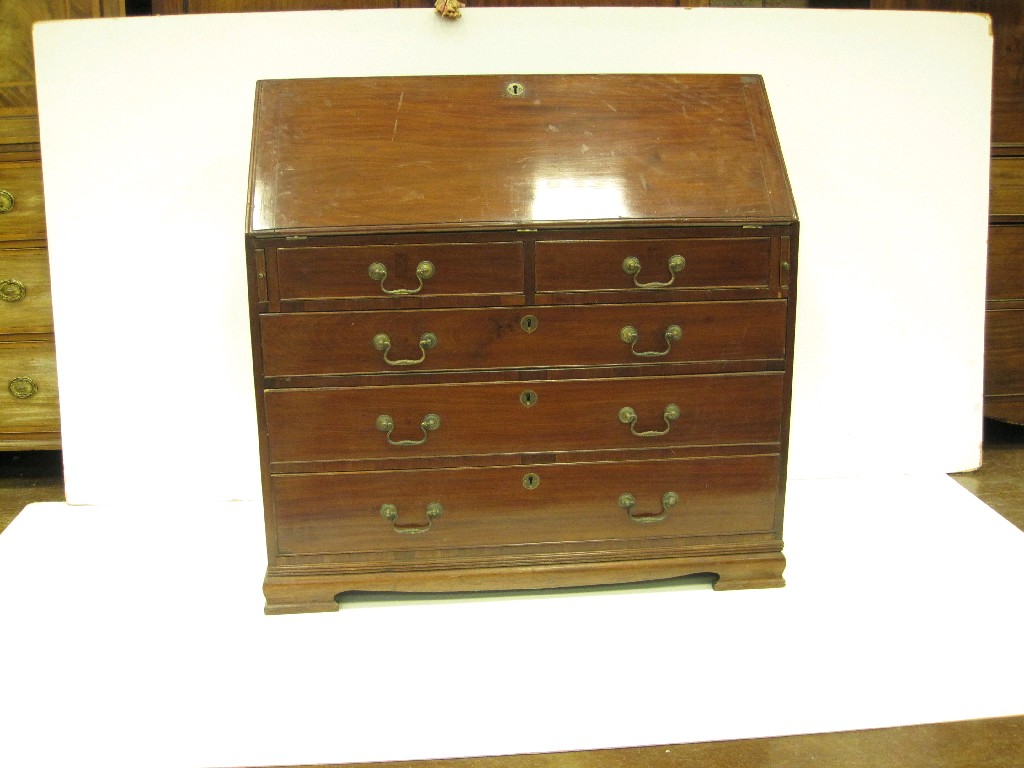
(431, 423)
(382, 343)
(628, 501)
(22, 387)
(630, 336)
(379, 273)
(628, 416)
(12, 290)
(631, 266)
(6, 201)
(390, 512)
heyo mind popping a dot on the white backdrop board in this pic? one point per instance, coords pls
(158, 654)
(883, 119)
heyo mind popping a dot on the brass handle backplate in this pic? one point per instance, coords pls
(379, 273)
(628, 416)
(628, 501)
(431, 423)
(390, 512)
(382, 343)
(12, 290)
(6, 201)
(631, 266)
(630, 336)
(22, 387)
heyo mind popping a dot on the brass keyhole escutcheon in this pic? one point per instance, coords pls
(528, 398)
(515, 89)
(531, 481)
(529, 323)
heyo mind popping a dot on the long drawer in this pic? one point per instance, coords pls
(25, 304)
(523, 417)
(1004, 352)
(28, 377)
(1007, 188)
(21, 200)
(1006, 263)
(449, 509)
(553, 337)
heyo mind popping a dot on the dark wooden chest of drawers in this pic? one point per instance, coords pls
(29, 411)
(519, 332)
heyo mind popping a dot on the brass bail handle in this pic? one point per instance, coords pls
(390, 513)
(628, 416)
(629, 335)
(431, 423)
(628, 502)
(379, 273)
(382, 343)
(631, 266)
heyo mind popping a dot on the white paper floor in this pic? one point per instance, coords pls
(136, 636)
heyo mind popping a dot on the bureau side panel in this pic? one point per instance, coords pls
(256, 271)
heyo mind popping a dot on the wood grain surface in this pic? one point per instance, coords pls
(371, 154)
(484, 507)
(480, 339)
(329, 424)
(603, 334)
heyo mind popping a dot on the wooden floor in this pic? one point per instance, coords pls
(995, 743)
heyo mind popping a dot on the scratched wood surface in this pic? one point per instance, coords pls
(361, 154)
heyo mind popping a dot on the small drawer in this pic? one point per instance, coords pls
(1005, 262)
(1007, 194)
(368, 423)
(1004, 352)
(21, 200)
(323, 276)
(471, 508)
(28, 375)
(653, 268)
(25, 305)
(478, 339)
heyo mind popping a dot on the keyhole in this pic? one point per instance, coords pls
(531, 481)
(528, 398)
(515, 89)
(529, 323)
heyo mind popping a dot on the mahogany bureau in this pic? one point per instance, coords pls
(519, 332)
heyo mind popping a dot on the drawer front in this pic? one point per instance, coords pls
(1007, 197)
(1006, 262)
(25, 305)
(28, 375)
(488, 507)
(472, 339)
(409, 272)
(522, 417)
(670, 267)
(21, 200)
(1004, 352)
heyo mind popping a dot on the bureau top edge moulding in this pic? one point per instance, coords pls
(520, 331)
